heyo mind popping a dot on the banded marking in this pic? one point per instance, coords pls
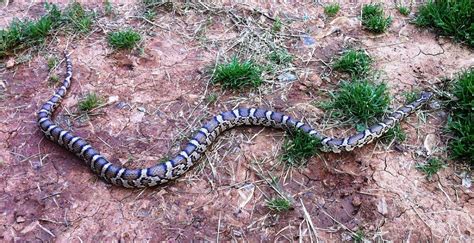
(252, 112)
(104, 169)
(236, 113)
(220, 119)
(45, 111)
(299, 124)
(72, 142)
(169, 169)
(61, 136)
(48, 130)
(42, 120)
(268, 114)
(84, 148)
(195, 143)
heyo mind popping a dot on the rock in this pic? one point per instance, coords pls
(137, 117)
(246, 193)
(430, 143)
(382, 207)
(10, 63)
(312, 81)
(112, 99)
(356, 202)
(308, 40)
(466, 179)
(237, 233)
(287, 77)
(20, 219)
(191, 98)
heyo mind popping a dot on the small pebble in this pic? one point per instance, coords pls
(287, 77)
(20, 219)
(356, 202)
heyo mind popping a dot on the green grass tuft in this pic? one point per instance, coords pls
(403, 10)
(89, 102)
(298, 147)
(396, 133)
(279, 204)
(149, 14)
(280, 57)
(125, 39)
(80, 19)
(461, 121)
(149, 8)
(373, 18)
(450, 18)
(277, 25)
(411, 96)
(27, 33)
(108, 8)
(52, 62)
(236, 74)
(431, 167)
(54, 79)
(360, 101)
(211, 98)
(332, 9)
(359, 236)
(354, 62)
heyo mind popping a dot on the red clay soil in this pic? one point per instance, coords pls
(153, 102)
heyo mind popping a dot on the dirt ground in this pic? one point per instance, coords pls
(155, 99)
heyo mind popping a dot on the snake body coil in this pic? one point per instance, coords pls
(206, 135)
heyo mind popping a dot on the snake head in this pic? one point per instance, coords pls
(425, 95)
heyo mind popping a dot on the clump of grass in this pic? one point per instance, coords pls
(211, 98)
(80, 19)
(27, 33)
(373, 18)
(358, 236)
(396, 133)
(403, 10)
(125, 39)
(450, 18)
(360, 101)
(89, 102)
(280, 56)
(431, 167)
(149, 8)
(279, 204)
(54, 79)
(52, 62)
(236, 74)
(410, 96)
(108, 8)
(354, 62)
(298, 147)
(461, 121)
(332, 9)
(149, 14)
(277, 25)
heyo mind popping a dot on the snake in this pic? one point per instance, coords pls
(165, 171)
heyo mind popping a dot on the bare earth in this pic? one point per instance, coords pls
(155, 99)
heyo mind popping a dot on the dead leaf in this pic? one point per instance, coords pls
(430, 143)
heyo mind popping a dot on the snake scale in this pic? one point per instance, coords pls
(206, 135)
